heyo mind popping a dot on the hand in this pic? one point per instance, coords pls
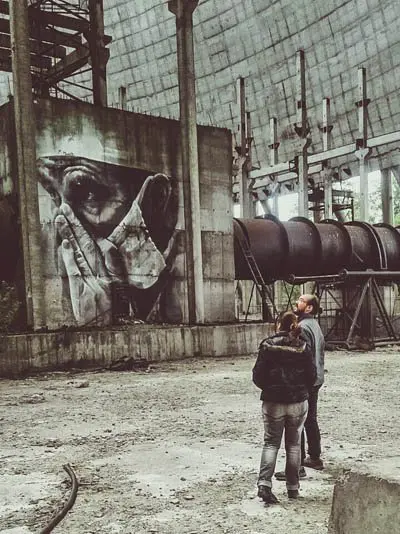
(89, 281)
(142, 261)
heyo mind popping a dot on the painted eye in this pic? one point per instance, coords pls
(82, 189)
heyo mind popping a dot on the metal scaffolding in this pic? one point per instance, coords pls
(65, 39)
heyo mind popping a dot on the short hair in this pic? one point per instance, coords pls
(286, 321)
(313, 301)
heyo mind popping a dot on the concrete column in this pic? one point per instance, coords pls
(183, 11)
(25, 127)
(98, 52)
(387, 196)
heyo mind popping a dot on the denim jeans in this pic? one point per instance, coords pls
(311, 428)
(278, 418)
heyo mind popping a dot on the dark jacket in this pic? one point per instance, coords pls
(312, 334)
(284, 369)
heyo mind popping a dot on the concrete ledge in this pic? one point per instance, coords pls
(30, 353)
(367, 503)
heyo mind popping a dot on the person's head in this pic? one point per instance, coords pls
(286, 322)
(308, 304)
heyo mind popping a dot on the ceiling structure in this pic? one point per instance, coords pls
(256, 40)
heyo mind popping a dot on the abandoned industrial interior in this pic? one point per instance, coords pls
(174, 174)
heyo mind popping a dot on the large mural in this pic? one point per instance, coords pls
(116, 243)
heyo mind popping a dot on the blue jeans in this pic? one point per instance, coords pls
(277, 418)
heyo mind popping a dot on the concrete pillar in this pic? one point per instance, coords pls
(183, 11)
(98, 52)
(25, 127)
(387, 196)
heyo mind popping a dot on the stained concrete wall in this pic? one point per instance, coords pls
(73, 139)
(22, 354)
(368, 502)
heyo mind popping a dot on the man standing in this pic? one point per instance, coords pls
(307, 308)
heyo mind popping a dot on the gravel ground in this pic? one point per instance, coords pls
(175, 449)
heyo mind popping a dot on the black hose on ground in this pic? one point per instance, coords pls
(68, 505)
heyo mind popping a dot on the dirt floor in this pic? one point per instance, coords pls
(175, 449)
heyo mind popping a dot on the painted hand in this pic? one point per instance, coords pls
(88, 277)
(130, 241)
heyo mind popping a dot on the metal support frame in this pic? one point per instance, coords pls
(292, 173)
(355, 312)
(387, 196)
(327, 172)
(65, 38)
(303, 133)
(363, 151)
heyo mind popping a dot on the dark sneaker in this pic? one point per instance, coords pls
(265, 493)
(280, 475)
(292, 494)
(314, 463)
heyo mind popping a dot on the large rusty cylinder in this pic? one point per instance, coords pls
(367, 249)
(301, 248)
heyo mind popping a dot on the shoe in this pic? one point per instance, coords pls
(314, 463)
(292, 494)
(281, 475)
(265, 493)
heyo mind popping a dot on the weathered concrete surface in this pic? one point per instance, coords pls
(21, 354)
(175, 449)
(368, 501)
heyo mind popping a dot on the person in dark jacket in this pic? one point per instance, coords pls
(285, 372)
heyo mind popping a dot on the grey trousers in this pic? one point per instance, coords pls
(278, 418)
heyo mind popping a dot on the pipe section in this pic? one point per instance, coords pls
(301, 248)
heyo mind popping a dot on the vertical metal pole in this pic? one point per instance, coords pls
(387, 196)
(25, 128)
(327, 171)
(273, 132)
(249, 165)
(183, 10)
(122, 100)
(302, 131)
(244, 198)
(274, 145)
(362, 151)
(98, 52)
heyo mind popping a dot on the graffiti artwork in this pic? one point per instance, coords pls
(116, 240)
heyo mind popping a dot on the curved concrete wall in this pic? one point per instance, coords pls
(258, 40)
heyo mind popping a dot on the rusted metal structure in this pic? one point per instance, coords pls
(65, 38)
(349, 262)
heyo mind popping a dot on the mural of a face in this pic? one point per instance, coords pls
(116, 230)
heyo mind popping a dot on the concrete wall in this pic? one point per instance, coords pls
(367, 502)
(117, 253)
(22, 354)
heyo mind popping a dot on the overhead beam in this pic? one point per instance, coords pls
(47, 17)
(55, 19)
(67, 66)
(37, 61)
(46, 34)
(36, 47)
(319, 157)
